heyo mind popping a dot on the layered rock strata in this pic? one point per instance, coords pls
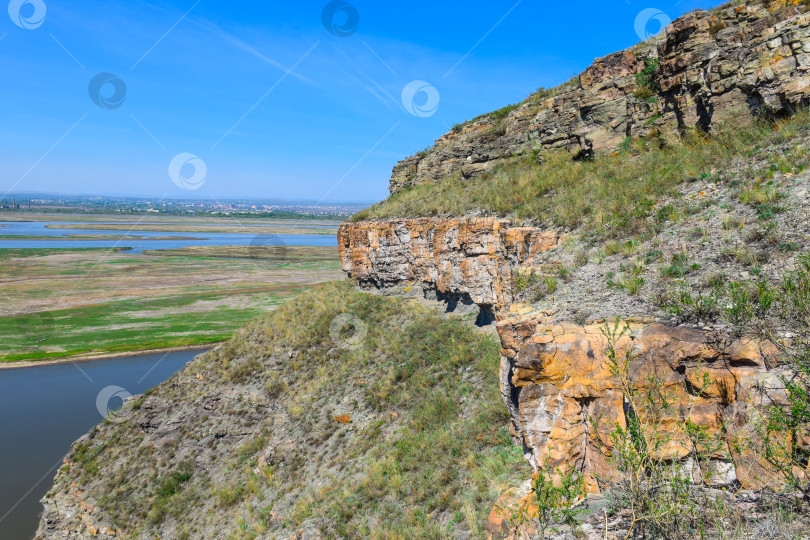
(711, 67)
(565, 403)
(472, 258)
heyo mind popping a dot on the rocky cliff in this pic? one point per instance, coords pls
(711, 67)
(565, 403)
(469, 259)
(733, 64)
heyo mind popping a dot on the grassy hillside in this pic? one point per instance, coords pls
(341, 412)
(613, 194)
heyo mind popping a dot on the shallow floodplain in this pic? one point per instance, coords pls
(57, 303)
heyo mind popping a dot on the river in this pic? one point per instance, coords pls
(43, 409)
(140, 240)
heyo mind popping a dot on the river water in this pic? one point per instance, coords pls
(43, 409)
(140, 240)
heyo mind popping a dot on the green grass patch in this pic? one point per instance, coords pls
(610, 195)
(14, 253)
(112, 327)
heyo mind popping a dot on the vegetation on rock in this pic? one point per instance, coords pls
(245, 443)
(611, 195)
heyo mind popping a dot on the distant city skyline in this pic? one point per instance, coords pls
(184, 196)
(315, 101)
(173, 207)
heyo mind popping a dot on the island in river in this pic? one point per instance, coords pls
(97, 285)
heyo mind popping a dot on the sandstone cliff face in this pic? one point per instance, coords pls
(565, 403)
(714, 67)
(710, 68)
(471, 258)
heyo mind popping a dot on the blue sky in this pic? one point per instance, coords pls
(273, 104)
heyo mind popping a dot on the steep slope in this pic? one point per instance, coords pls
(743, 59)
(340, 414)
(673, 180)
(742, 228)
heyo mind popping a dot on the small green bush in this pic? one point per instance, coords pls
(696, 307)
(556, 496)
(654, 491)
(716, 27)
(503, 112)
(523, 281)
(647, 80)
(739, 310)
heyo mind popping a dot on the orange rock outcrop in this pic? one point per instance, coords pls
(471, 257)
(565, 403)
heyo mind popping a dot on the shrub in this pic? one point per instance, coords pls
(730, 222)
(242, 370)
(758, 194)
(556, 502)
(523, 281)
(785, 430)
(643, 93)
(647, 80)
(716, 27)
(633, 284)
(581, 317)
(611, 248)
(167, 493)
(673, 271)
(556, 495)
(631, 278)
(738, 310)
(654, 490)
(694, 307)
(503, 112)
(581, 258)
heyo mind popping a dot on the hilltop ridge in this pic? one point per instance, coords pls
(711, 67)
